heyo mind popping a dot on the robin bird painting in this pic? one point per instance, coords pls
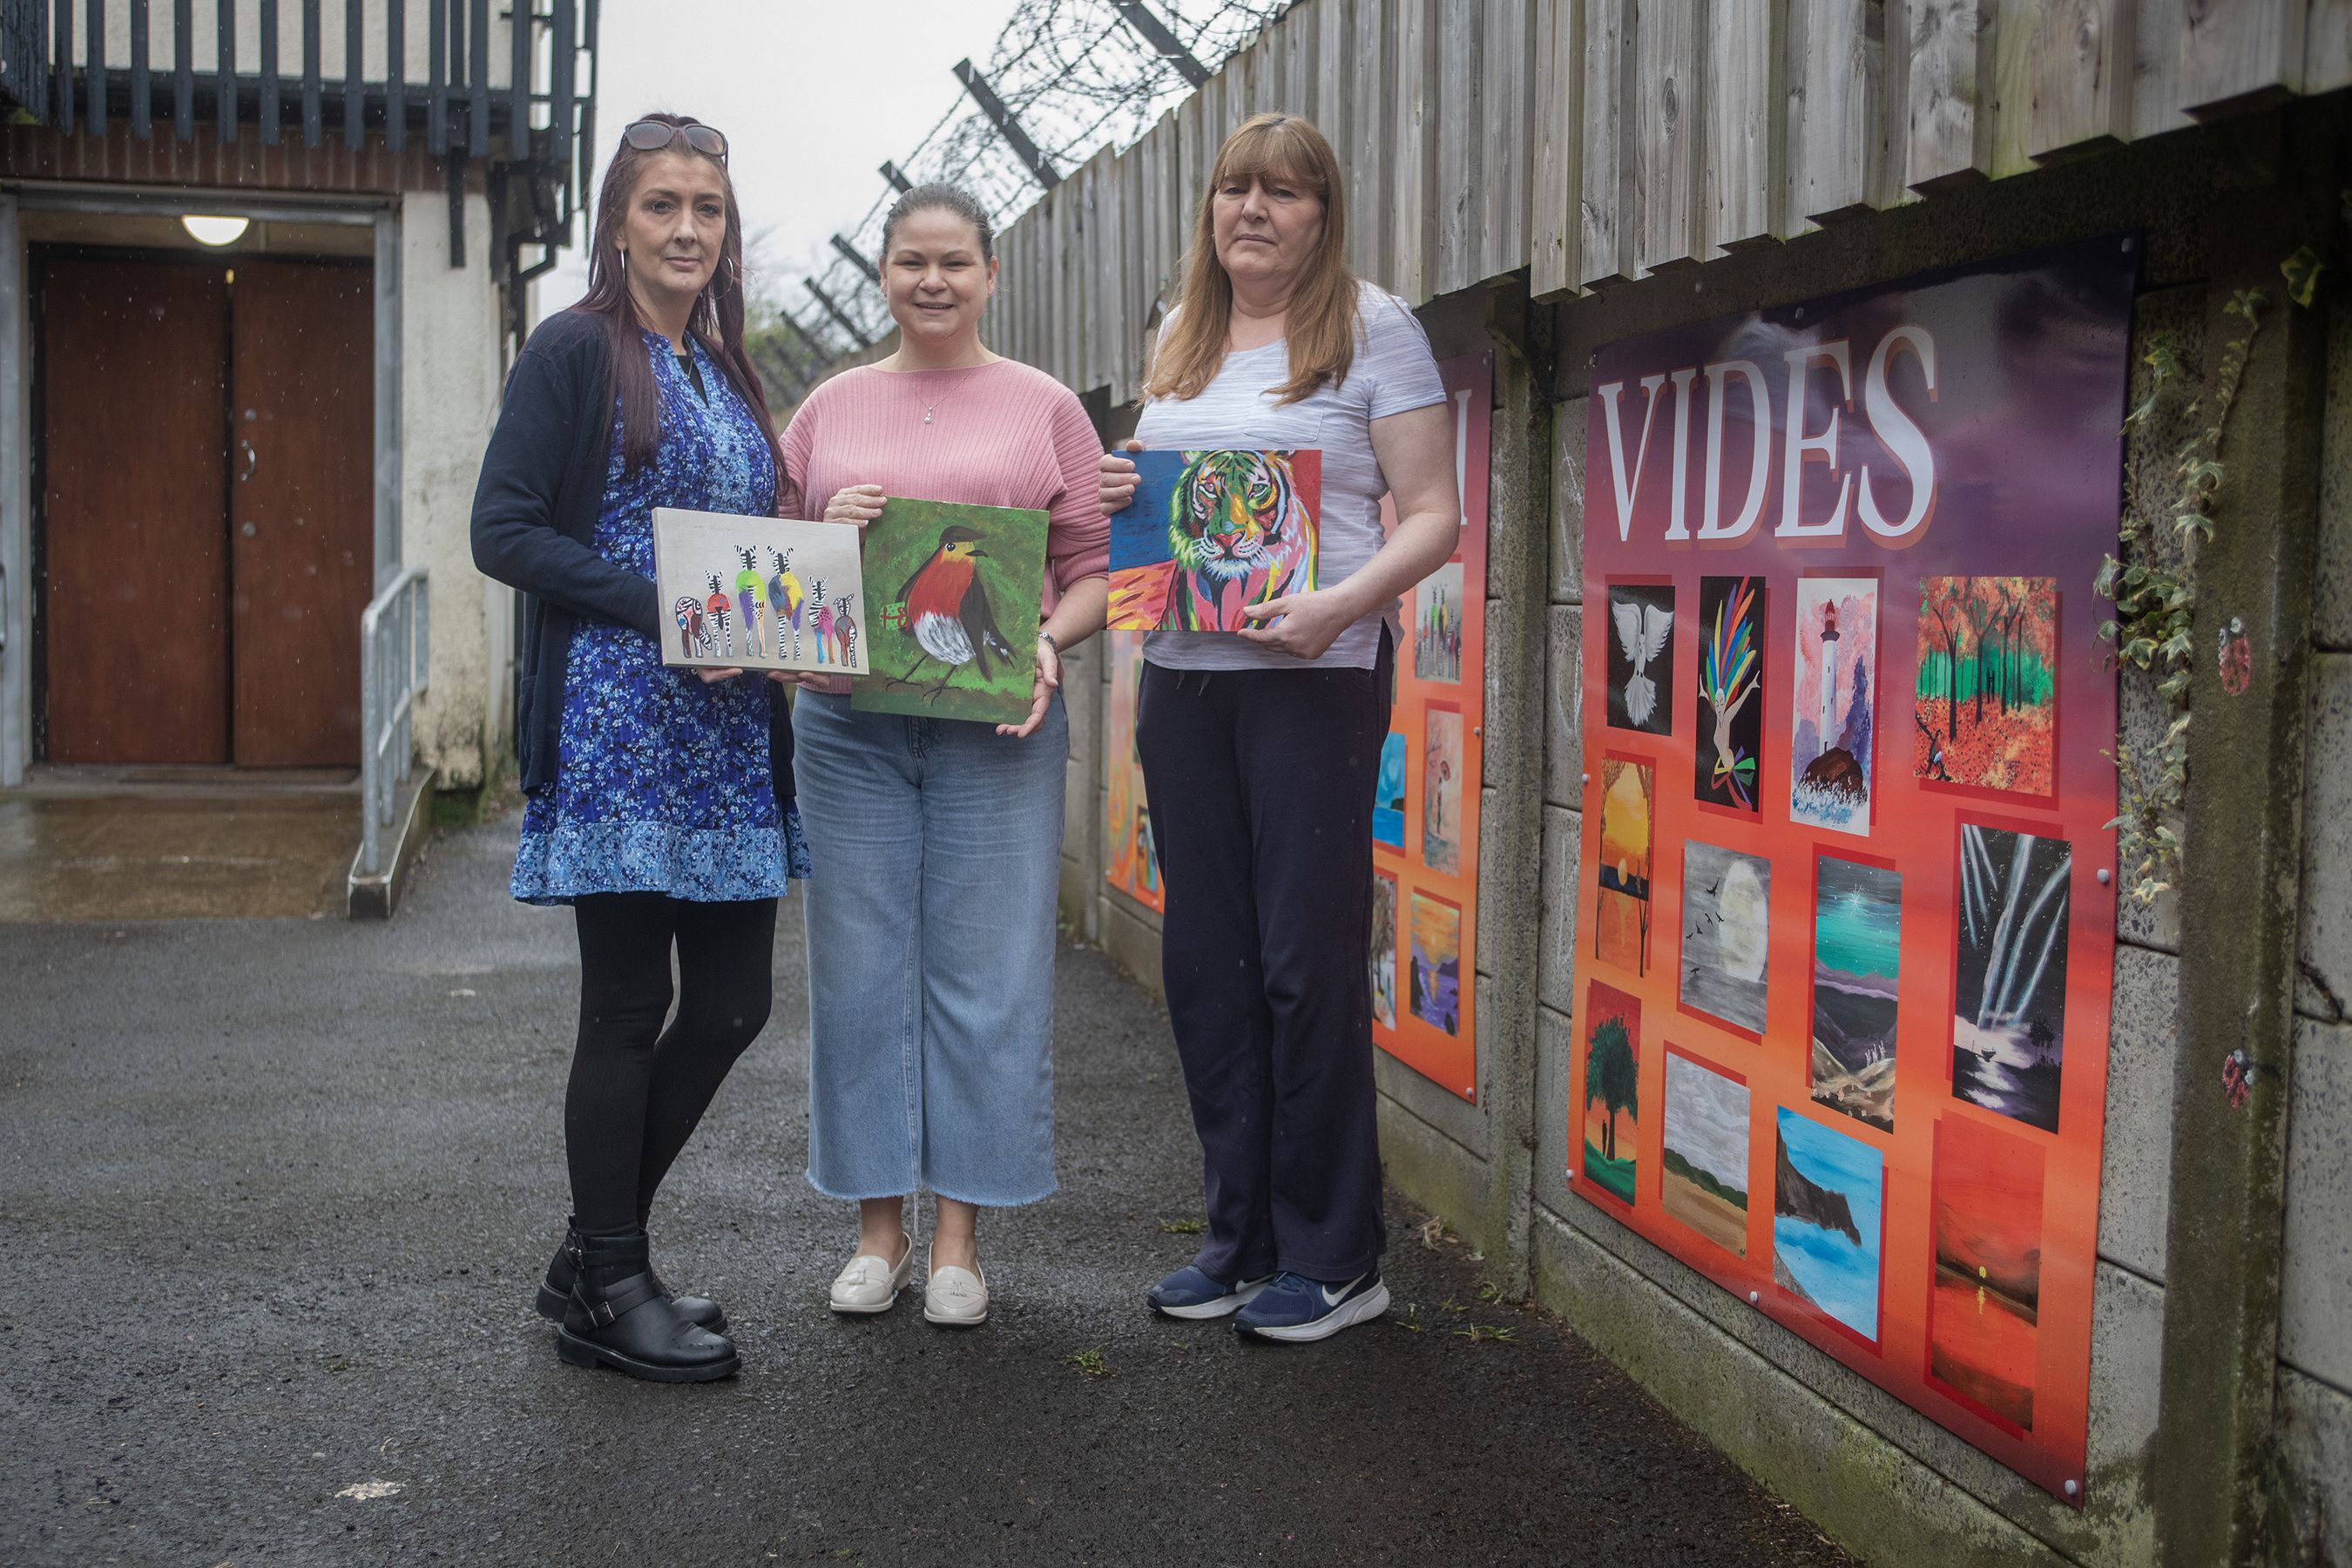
(946, 612)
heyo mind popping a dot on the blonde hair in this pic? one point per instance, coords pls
(1321, 320)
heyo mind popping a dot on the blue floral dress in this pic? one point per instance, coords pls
(663, 783)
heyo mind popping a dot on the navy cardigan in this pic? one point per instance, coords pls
(535, 512)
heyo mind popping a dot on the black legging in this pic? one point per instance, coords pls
(637, 1089)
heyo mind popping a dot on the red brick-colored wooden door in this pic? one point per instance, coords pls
(134, 357)
(301, 509)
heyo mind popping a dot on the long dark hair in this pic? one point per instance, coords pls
(717, 319)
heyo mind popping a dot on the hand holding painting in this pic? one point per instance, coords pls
(856, 505)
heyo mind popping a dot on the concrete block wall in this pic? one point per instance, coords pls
(2312, 1523)
(1879, 1476)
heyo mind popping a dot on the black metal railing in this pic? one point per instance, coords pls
(459, 109)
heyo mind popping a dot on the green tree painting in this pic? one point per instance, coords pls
(1611, 1071)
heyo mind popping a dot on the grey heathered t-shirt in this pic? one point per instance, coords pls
(1393, 373)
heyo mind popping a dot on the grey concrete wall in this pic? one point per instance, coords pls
(1878, 1474)
(2313, 1522)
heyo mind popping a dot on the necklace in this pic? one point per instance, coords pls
(932, 406)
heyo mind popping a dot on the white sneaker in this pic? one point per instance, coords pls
(954, 1298)
(871, 1284)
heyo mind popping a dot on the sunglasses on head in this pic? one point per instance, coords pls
(652, 135)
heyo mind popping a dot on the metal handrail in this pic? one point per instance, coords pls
(395, 640)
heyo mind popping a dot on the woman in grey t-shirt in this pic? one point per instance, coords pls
(1259, 746)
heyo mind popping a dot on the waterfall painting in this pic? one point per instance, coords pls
(2009, 1017)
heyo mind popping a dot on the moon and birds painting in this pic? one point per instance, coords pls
(1727, 933)
(955, 635)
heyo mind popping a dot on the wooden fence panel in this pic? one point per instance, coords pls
(1328, 102)
(1455, 124)
(1135, 282)
(1507, 111)
(2016, 31)
(1606, 245)
(1835, 115)
(1302, 73)
(2081, 76)
(1414, 134)
(1948, 68)
(2240, 55)
(1666, 134)
(1370, 144)
(1744, 154)
(1555, 169)
(2327, 46)
(1094, 275)
(2156, 70)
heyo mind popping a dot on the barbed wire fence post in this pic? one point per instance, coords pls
(1065, 78)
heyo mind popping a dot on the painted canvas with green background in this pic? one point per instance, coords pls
(954, 625)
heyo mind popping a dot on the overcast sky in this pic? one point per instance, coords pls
(812, 94)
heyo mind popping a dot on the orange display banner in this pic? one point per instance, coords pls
(1129, 863)
(1846, 924)
(1426, 804)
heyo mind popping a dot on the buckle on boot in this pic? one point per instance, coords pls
(600, 1314)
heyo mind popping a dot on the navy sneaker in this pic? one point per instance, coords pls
(1189, 1293)
(1295, 1309)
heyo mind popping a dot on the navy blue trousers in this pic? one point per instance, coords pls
(1261, 791)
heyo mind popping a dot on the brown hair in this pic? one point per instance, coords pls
(717, 319)
(1322, 319)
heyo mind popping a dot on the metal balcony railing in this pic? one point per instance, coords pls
(513, 86)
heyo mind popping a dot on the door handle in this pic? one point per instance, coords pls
(252, 460)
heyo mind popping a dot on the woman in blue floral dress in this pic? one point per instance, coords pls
(659, 800)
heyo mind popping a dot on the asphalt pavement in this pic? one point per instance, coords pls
(274, 1196)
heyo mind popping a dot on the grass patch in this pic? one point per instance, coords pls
(1089, 1362)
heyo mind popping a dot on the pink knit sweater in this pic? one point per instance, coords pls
(1001, 434)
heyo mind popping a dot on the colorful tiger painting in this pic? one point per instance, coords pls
(1240, 535)
(1210, 533)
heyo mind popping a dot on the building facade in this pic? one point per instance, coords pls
(262, 268)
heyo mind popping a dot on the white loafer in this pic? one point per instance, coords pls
(871, 1284)
(954, 1298)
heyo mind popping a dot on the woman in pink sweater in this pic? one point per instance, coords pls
(931, 928)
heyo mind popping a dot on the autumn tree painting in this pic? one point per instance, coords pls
(1984, 710)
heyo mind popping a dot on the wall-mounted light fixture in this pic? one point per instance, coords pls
(214, 230)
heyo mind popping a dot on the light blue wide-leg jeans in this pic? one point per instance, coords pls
(937, 845)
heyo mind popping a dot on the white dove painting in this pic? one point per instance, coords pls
(1641, 657)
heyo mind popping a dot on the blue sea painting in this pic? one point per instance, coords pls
(1388, 795)
(1827, 1193)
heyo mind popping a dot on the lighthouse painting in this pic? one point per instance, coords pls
(1833, 701)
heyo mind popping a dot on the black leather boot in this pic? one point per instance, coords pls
(556, 1288)
(618, 1315)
